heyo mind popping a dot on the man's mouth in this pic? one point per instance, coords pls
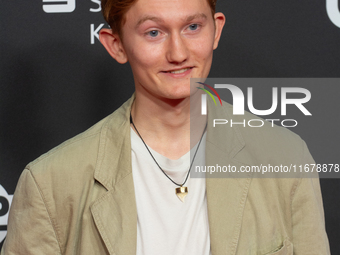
(179, 71)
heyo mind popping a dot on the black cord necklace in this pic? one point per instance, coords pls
(181, 192)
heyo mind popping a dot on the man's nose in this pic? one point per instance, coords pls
(177, 49)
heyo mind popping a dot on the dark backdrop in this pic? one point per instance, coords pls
(56, 79)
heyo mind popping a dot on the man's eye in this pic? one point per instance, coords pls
(153, 33)
(193, 27)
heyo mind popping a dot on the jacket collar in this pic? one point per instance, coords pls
(115, 213)
(114, 151)
(226, 194)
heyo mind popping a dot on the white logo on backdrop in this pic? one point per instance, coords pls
(59, 6)
(333, 12)
(67, 6)
(5, 204)
(99, 8)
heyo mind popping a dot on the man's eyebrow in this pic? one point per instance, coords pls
(196, 16)
(148, 17)
(157, 19)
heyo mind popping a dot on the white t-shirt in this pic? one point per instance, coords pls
(165, 225)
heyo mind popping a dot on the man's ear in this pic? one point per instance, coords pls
(219, 24)
(113, 45)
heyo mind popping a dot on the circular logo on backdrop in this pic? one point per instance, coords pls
(5, 204)
(332, 7)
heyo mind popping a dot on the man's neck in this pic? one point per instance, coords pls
(164, 124)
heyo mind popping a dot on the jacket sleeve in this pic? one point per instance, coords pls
(309, 234)
(30, 230)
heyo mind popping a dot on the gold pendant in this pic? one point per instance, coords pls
(181, 192)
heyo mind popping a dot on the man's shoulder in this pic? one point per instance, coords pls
(263, 140)
(267, 132)
(78, 150)
(255, 127)
(78, 154)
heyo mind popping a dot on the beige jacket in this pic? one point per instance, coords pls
(79, 197)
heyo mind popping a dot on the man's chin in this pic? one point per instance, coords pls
(176, 98)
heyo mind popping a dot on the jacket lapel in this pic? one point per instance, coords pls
(115, 213)
(226, 193)
(116, 218)
(226, 199)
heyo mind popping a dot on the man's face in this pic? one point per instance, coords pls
(167, 42)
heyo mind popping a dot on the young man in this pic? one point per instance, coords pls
(111, 189)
